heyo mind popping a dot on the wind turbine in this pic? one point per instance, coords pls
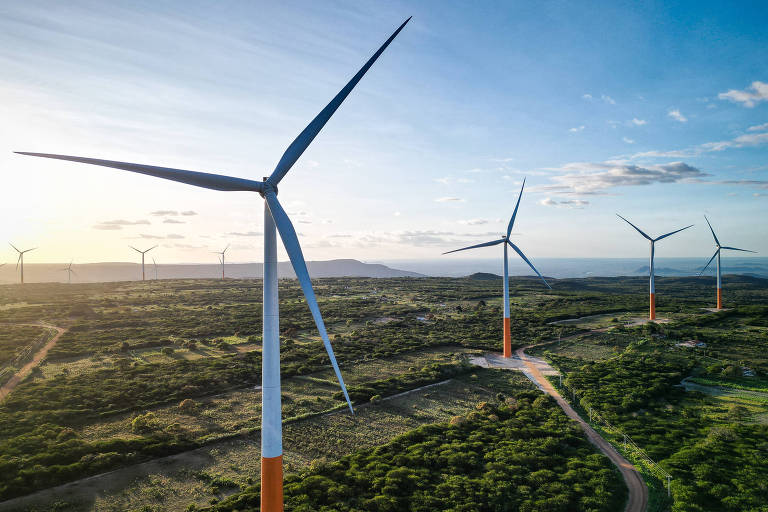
(20, 261)
(275, 218)
(138, 251)
(155, 265)
(506, 241)
(653, 241)
(717, 253)
(69, 271)
(221, 259)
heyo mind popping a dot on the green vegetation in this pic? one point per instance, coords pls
(145, 372)
(521, 454)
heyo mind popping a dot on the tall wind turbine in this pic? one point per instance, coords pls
(142, 255)
(221, 259)
(506, 241)
(20, 261)
(275, 218)
(155, 265)
(69, 271)
(653, 241)
(717, 254)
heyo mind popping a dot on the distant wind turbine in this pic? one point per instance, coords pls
(275, 218)
(155, 265)
(142, 258)
(653, 241)
(506, 241)
(221, 259)
(717, 254)
(20, 261)
(69, 271)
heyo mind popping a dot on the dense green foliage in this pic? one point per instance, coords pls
(520, 455)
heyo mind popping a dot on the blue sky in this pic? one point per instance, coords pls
(656, 111)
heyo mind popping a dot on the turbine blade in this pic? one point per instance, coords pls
(713, 231)
(18, 260)
(292, 247)
(637, 228)
(672, 233)
(135, 249)
(486, 244)
(306, 137)
(153, 247)
(514, 214)
(520, 253)
(14, 247)
(198, 179)
(710, 261)
(736, 249)
(225, 249)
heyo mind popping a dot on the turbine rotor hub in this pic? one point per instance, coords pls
(267, 187)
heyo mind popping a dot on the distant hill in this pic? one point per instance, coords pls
(483, 276)
(105, 272)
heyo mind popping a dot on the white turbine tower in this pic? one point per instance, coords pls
(506, 241)
(221, 259)
(274, 218)
(69, 271)
(717, 254)
(20, 260)
(154, 263)
(652, 315)
(135, 249)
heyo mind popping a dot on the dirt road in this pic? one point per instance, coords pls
(638, 491)
(9, 386)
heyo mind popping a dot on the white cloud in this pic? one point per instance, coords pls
(608, 99)
(586, 178)
(473, 222)
(750, 139)
(245, 233)
(628, 140)
(449, 180)
(677, 116)
(638, 122)
(448, 199)
(758, 127)
(749, 97)
(566, 203)
(587, 96)
(577, 129)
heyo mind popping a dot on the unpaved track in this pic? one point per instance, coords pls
(14, 381)
(638, 491)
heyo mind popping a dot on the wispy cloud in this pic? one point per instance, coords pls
(473, 222)
(607, 99)
(586, 96)
(173, 221)
(449, 199)
(628, 140)
(164, 213)
(577, 129)
(450, 180)
(189, 213)
(566, 203)
(677, 116)
(245, 233)
(114, 225)
(638, 122)
(587, 178)
(749, 97)
(747, 140)
(758, 128)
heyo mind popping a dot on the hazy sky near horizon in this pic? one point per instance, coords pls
(656, 111)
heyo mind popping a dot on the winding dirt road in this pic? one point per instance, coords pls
(638, 491)
(25, 370)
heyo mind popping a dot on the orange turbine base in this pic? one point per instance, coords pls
(653, 307)
(272, 484)
(507, 339)
(719, 298)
